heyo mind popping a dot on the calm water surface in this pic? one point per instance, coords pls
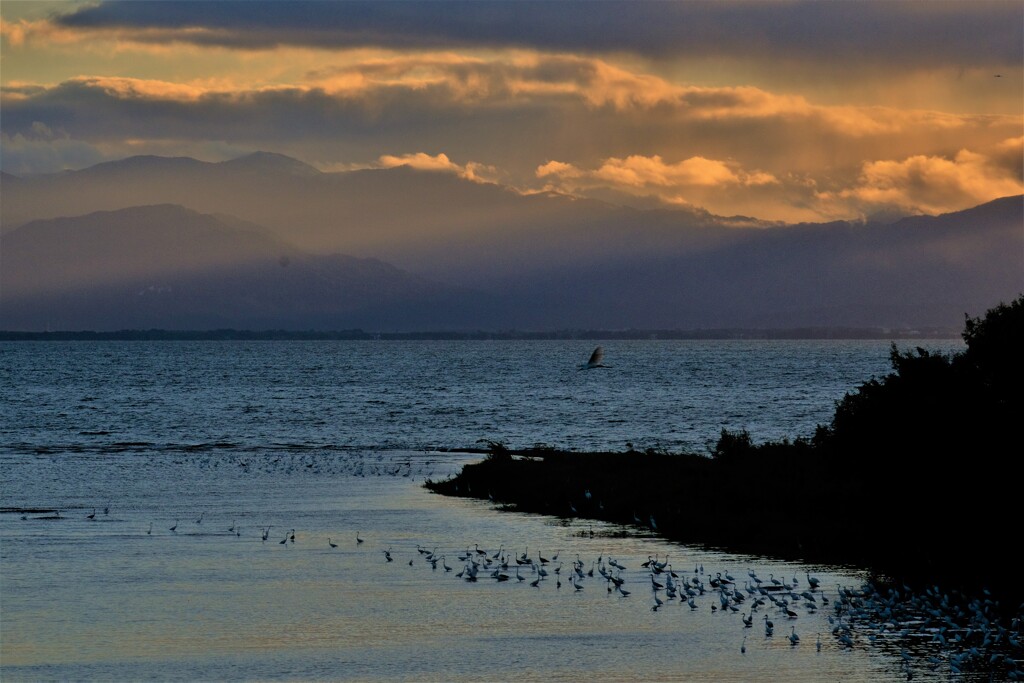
(335, 438)
(417, 395)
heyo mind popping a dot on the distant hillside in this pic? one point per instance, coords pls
(429, 221)
(167, 266)
(920, 271)
(530, 262)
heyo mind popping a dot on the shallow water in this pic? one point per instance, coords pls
(250, 436)
(104, 599)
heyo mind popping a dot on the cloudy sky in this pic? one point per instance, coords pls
(794, 111)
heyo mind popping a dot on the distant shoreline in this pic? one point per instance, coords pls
(797, 333)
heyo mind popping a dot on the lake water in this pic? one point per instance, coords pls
(332, 439)
(98, 397)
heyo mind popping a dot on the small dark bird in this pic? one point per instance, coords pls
(331, 543)
(93, 515)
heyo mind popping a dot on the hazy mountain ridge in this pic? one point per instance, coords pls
(154, 266)
(916, 272)
(136, 242)
(411, 217)
(509, 260)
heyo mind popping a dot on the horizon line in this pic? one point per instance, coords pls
(357, 334)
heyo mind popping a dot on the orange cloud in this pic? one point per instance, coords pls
(554, 80)
(558, 169)
(24, 32)
(637, 172)
(917, 184)
(518, 78)
(729, 148)
(934, 184)
(724, 187)
(472, 170)
(43, 33)
(142, 89)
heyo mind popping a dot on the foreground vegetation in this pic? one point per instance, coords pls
(917, 476)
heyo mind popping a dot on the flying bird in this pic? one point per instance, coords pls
(595, 360)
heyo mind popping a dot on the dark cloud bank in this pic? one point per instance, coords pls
(947, 33)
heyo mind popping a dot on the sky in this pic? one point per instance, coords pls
(781, 110)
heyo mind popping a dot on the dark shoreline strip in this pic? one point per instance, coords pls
(780, 510)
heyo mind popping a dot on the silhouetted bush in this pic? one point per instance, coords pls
(995, 353)
(732, 446)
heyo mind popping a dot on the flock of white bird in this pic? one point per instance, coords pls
(963, 635)
(943, 631)
(959, 635)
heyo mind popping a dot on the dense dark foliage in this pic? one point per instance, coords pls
(917, 476)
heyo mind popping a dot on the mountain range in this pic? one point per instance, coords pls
(266, 241)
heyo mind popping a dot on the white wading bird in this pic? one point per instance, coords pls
(595, 360)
